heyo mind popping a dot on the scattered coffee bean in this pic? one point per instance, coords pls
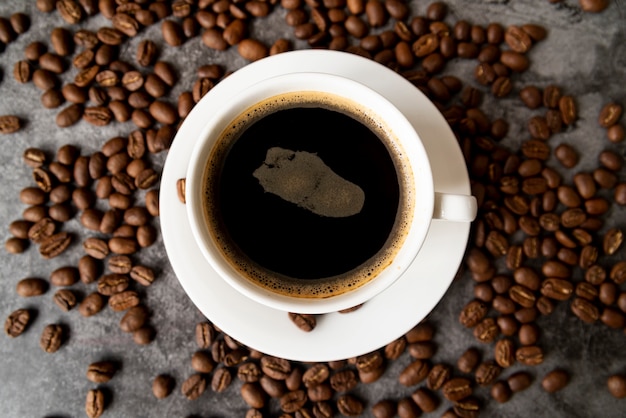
(162, 386)
(9, 124)
(51, 338)
(101, 371)
(92, 304)
(31, 287)
(94, 404)
(17, 322)
(65, 299)
(555, 380)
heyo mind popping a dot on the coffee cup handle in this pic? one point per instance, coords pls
(455, 207)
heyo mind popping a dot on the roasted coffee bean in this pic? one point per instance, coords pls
(612, 241)
(407, 408)
(348, 405)
(276, 389)
(438, 375)
(51, 338)
(343, 381)
(504, 352)
(221, 380)
(146, 235)
(64, 276)
(253, 395)
(519, 381)
(508, 325)
(124, 246)
(531, 96)
(567, 107)
(142, 274)
(500, 392)
(123, 300)
(125, 24)
(612, 318)
(134, 319)
(32, 196)
(97, 115)
(558, 289)
(468, 360)
(41, 230)
(252, 49)
(17, 322)
(34, 157)
(54, 245)
(15, 245)
(20, 228)
(555, 380)
(31, 287)
(456, 389)
(94, 403)
(69, 116)
(120, 264)
(618, 272)
(293, 401)
(101, 371)
(91, 304)
(65, 299)
(70, 11)
(88, 269)
(110, 36)
(615, 133)
(62, 172)
(83, 198)
(276, 368)
(136, 216)
(426, 401)
(608, 293)
(194, 386)
(414, 373)
(111, 284)
(172, 33)
(162, 386)
(486, 330)
(249, 372)
(616, 385)
(45, 79)
(487, 372)
(118, 107)
(605, 179)
(119, 201)
(593, 6)
(9, 124)
(531, 355)
(163, 112)
(91, 219)
(609, 115)
(144, 335)
(315, 375)
(52, 62)
(567, 155)
(611, 160)
(22, 71)
(473, 313)
(96, 248)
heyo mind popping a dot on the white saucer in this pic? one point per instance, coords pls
(380, 320)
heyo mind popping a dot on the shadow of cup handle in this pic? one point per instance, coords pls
(455, 207)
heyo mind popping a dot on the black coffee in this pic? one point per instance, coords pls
(304, 196)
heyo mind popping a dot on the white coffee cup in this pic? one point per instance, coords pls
(420, 209)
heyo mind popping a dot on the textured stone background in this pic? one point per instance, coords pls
(584, 53)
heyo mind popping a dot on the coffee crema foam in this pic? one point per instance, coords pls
(279, 283)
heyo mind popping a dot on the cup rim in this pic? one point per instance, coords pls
(343, 87)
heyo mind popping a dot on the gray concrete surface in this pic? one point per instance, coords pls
(584, 53)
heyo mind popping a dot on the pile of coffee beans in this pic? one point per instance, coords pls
(539, 239)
